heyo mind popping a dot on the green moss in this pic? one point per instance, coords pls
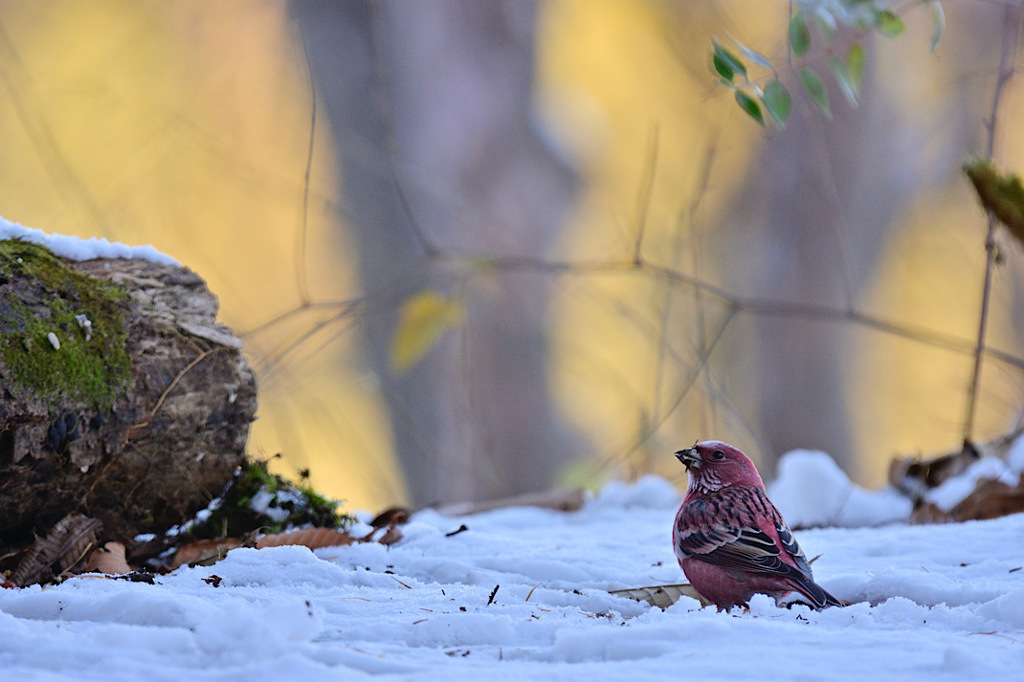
(283, 504)
(94, 371)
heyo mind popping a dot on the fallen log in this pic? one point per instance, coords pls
(121, 396)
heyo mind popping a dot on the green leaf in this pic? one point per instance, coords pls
(726, 63)
(816, 89)
(722, 68)
(777, 101)
(889, 23)
(749, 105)
(425, 317)
(855, 60)
(1000, 193)
(843, 78)
(799, 34)
(938, 22)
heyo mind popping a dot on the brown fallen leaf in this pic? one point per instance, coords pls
(313, 538)
(208, 552)
(59, 551)
(392, 535)
(914, 476)
(204, 552)
(109, 559)
(990, 499)
(392, 516)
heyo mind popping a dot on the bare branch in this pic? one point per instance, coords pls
(643, 199)
(301, 276)
(1012, 15)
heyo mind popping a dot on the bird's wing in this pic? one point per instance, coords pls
(741, 529)
(745, 549)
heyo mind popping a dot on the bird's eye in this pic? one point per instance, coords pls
(718, 454)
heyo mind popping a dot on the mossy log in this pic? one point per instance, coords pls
(121, 397)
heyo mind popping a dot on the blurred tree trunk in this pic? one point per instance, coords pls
(430, 106)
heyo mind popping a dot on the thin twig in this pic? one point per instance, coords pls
(652, 426)
(643, 199)
(665, 349)
(389, 295)
(130, 433)
(1007, 59)
(695, 264)
(343, 306)
(301, 277)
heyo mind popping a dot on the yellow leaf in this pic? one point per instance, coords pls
(425, 318)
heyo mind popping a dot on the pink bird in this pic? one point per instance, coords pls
(730, 539)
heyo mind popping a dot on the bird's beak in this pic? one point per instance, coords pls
(690, 458)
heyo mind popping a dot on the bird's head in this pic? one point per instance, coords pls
(714, 465)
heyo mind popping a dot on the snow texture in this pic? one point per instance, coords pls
(1015, 456)
(76, 248)
(811, 490)
(933, 602)
(953, 490)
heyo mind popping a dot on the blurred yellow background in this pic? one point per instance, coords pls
(185, 125)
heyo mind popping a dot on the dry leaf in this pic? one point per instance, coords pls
(662, 596)
(392, 516)
(208, 552)
(63, 547)
(990, 499)
(928, 512)
(390, 536)
(914, 476)
(204, 552)
(313, 538)
(109, 559)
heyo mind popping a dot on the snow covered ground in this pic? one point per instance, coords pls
(943, 602)
(522, 593)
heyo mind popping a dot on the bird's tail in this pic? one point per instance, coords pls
(818, 596)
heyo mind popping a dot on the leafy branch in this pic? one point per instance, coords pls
(847, 62)
(1001, 194)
